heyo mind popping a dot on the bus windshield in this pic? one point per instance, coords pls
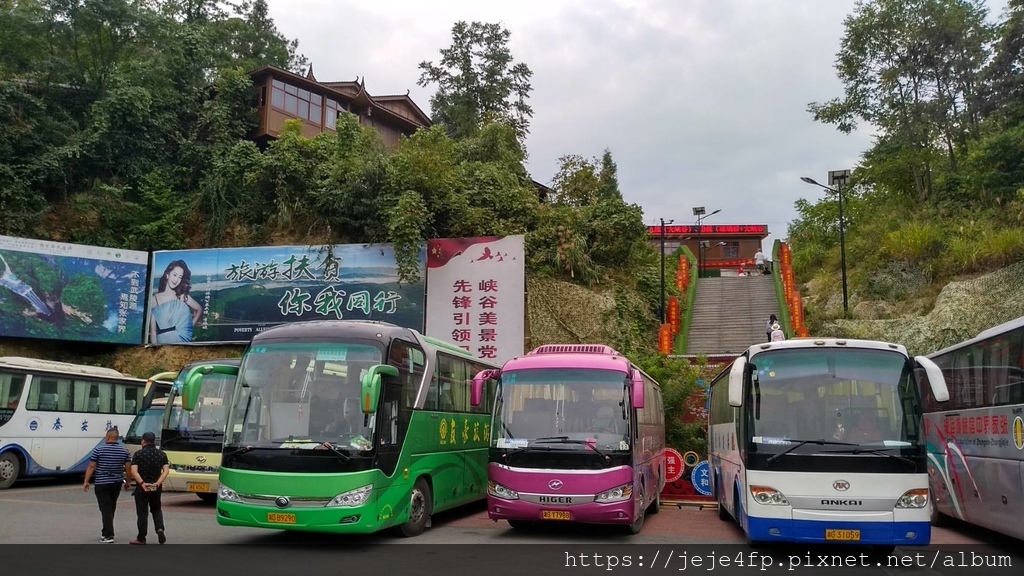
(300, 394)
(210, 413)
(828, 397)
(563, 408)
(147, 420)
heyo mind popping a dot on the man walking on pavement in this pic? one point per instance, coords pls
(149, 468)
(110, 463)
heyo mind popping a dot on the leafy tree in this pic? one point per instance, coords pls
(911, 68)
(477, 82)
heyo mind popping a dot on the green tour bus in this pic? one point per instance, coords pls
(349, 426)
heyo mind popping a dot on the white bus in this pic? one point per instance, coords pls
(821, 441)
(52, 414)
(976, 440)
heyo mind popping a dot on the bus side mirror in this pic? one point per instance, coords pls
(370, 386)
(935, 378)
(739, 368)
(194, 383)
(637, 389)
(476, 391)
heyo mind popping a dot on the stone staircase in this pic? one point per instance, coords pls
(730, 314)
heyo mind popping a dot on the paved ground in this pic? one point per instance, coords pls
(60, 512)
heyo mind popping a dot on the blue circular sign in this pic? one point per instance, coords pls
(33, 425)
(700, 477)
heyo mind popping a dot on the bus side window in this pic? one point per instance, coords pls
(11, 386)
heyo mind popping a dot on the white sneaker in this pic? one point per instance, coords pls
(105, 540)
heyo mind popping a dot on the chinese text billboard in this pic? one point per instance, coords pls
(71, 291)
(230, 294)
(476, 294)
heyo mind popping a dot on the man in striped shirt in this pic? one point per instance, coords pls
(111, 462)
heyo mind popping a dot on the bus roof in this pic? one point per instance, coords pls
(556, 360)
(332, 328)
(54, 366)
(826, 343)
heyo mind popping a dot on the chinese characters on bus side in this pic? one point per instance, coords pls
(449, 431)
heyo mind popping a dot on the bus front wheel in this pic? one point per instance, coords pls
(421, 503)
(208, 497)
(638, 523)
(10, 468)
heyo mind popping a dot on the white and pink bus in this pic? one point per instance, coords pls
(577, 434)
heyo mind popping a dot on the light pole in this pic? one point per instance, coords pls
(699, 212)
(663, 223)
(837, 178)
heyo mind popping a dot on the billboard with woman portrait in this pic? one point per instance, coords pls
(227, 295)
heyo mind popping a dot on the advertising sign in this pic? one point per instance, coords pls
(673, 465)
(701, 479)
(71, 291)
(228, 295)
(476, 291)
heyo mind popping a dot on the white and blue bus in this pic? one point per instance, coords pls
(821, 441)
(976, 440)
(52, 414)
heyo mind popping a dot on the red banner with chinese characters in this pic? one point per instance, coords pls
(665, 339)
(673, 314)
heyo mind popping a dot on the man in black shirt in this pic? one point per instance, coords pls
(149, 468)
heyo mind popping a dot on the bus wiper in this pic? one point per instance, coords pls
(241, 450)
(800, 443)
(203, 432)
(566, 440)
(328, 446)
(878, 451)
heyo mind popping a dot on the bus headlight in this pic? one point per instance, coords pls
(351, 498)
(499, 491)
(227, 494)
(768, 496)
(916, 498)
(618, 494)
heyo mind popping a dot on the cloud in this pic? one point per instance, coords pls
(700, 102)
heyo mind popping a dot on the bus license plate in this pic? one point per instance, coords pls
(198, 486)
(555, 515)
(843, 535)
(278, 518)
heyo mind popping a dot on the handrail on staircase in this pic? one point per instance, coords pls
(780, 291)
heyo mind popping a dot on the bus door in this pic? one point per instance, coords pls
(397, 402)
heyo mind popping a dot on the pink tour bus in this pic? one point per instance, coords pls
(577, 434)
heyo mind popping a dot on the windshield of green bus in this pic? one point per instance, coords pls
(852, 396)
(300, 394)
(564, 408)
(209, 417)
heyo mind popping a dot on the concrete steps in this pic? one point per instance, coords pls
(730, 314)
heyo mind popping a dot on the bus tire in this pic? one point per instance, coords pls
(10, 469)
(638, 523)
(421, 503)
(520, 524)
(208, 497)
(723, 512)
(938, 519)
(655, 506)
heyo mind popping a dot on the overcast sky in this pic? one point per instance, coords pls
(701, 102)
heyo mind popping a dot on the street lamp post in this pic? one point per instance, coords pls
(700, 213)
(838, 178)
(663, 223)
